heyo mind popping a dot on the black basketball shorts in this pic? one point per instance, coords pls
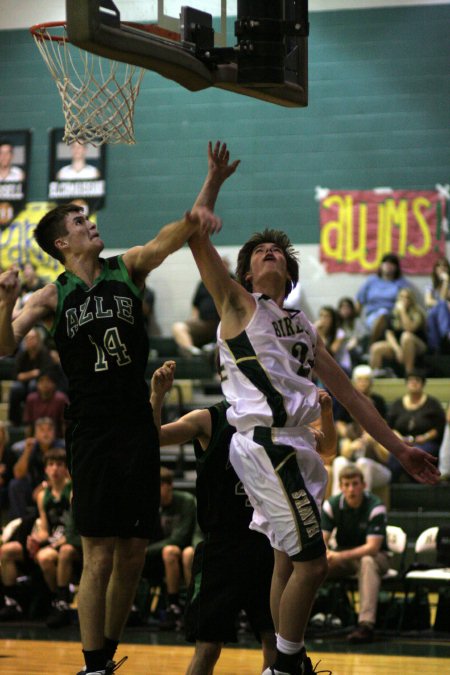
(229, 575)
(115, 467)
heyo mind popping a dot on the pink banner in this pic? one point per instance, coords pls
(358, 227)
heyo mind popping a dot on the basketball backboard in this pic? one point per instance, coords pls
(265, 58)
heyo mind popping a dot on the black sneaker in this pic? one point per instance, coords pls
(173, 619)
(60, 615)
(307, 668)
(110, 668)
(12, 611)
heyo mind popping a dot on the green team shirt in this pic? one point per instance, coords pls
(102, 342)
(354, 525)
(178, 521)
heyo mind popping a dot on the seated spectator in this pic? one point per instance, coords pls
(438, 288)
(377, 296)
(16, 560)
(46, 401)
(30, 361)
(164, 557)
(29, 470)
(417, 418)
(55, 555)
(362, 378)
(349, 322)
(438, 326)
(359, 521)
(30, 283)
(404, 338)
(334, 337)
(7, 461)
(358, 448)
(201, 328)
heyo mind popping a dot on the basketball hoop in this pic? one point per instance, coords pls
(98, 94)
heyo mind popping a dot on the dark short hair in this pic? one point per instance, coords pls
(351, 471)
(5, 141)
(49, 372)
(166, 475)
(395, 260)
(274, 237)
(55, 455)
(52, 226)
(418, 374)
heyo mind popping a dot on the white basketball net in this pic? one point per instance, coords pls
(98, 94)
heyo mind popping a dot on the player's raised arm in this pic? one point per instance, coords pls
(141, 260)
(196, 424)
(231, 299)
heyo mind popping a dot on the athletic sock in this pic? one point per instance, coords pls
(95, 660)
(173, 598)
(110, 647)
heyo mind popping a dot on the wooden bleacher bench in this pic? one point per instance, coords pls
(393, 388)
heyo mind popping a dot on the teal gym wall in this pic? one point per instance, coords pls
(378, 116)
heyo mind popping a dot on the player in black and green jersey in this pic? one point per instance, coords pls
(95, 309)
(233, 565)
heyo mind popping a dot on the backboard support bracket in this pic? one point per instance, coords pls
(269, 61)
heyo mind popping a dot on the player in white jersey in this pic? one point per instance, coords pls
(267, 356)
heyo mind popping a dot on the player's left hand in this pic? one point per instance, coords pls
(419, 464)
(219, 166)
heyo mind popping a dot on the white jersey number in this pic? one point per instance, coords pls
(113, 346)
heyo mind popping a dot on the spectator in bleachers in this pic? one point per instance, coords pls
(362, 378)
(351, 325)
(30, 361)
(359, 448)
(417, 418)
(333, 336)
(29, 470)
(16, 560)
(359, 520)
(438, 288)
(178, 519)
(7, 461)
(55, 555)
(46, 401)
(404, 338)
(438, 326)
(377, 296)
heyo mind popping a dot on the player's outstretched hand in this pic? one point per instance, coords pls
(219, 166)
(207, 221)
(9, 286)
(420, 465)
